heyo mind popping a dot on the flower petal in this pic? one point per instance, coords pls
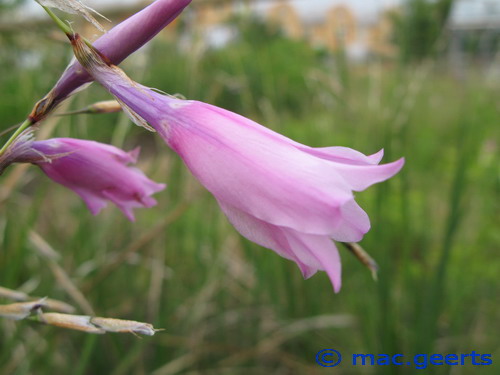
(267, 179)
(344, 155)
(310, 252)
(317, 249)
(263, 234)
(354, 223)
(360, 177)
(93, 202)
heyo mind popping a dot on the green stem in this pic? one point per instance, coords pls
(9, 129)
(63, 26)
(26, 124)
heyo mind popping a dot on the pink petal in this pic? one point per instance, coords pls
(360, 177)
(93, 202)
(121, 202)
(354, 224)
(317, 249)
(310, 252)
(376, 157)
(255, 173)
(344, 155)
(263, 234)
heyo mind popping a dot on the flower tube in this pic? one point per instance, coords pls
(283, 195)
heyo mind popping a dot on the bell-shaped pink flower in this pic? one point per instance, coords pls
(95, 171)
(281, 194)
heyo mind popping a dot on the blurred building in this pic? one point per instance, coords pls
(286, 17)
(337, 29)
(332, 25)
(339, 25)
(470, 15)
(474, 36)
(380, 35)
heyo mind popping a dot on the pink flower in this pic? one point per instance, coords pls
(95, 171)
(281, 194)
(116, 45)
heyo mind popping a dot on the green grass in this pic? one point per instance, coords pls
(227, 305)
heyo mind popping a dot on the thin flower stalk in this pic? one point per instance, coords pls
(50, 303)
(106, 106)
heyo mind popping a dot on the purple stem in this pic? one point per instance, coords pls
(121, 41)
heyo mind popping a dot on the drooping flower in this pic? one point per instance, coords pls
(97, 172)
(118, 43)
(283, 195)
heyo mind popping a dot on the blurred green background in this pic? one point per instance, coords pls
(227, 305)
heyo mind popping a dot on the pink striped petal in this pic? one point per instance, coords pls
(344, 155)
(310, 252)
(360, 177)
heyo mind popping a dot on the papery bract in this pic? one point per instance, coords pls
(97, 172)
(75, 7)
(281, 194)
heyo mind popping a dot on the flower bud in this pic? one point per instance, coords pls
(123, 326)
(75, 322)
